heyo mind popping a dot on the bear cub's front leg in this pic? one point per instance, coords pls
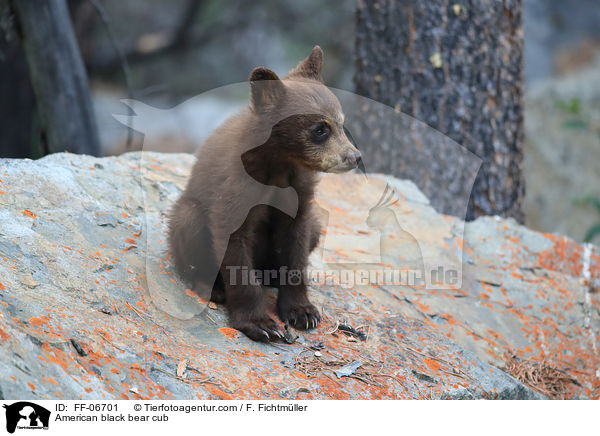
(292, 302)
(245, 300)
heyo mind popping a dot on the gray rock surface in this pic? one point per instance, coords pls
(91, 308)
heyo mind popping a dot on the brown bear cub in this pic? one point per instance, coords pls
(248, 204)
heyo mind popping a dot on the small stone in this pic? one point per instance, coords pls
(181, 368)
(348, 370)
(30, 282)
(289, 336)
(318, 354)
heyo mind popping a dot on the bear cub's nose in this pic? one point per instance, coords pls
(353, 159)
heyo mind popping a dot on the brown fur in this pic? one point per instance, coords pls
(249, 202)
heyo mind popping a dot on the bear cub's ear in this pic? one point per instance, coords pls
(311, 66)
(266, 90)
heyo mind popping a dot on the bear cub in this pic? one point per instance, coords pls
(248, 204)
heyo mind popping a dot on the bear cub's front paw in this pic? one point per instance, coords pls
(300, 315)
(262, 328)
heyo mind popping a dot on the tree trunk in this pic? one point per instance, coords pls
(456, 66)
(17, 114)
(57, 75)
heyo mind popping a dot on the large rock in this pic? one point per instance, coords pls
(90, 306)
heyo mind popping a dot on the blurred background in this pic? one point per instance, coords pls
(163, 53)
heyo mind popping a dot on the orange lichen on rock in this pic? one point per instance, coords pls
(229, 332)
(29, 213)
(564, 256)
(37, 322)
(432, 364)
(3, 335)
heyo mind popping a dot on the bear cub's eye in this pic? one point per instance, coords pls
(321, 133)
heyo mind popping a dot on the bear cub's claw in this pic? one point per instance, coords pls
(261, 329)
(302, 316)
